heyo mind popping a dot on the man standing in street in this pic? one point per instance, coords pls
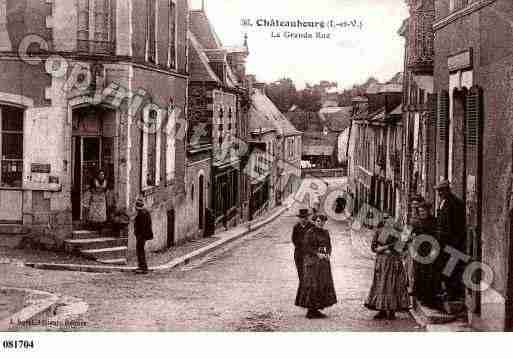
(450, 231)
(143, 232)
(298, 233)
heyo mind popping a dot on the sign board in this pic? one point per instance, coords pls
(460, 61)
(40, 168)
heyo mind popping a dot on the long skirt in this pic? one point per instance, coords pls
(389, 287)
(97, 208)
(316, 290)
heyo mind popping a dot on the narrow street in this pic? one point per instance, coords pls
(249, 286)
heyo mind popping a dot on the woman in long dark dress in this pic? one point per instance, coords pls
(388, 293)
(317, 291)
(426, 284)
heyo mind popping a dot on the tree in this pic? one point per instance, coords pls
(282, 93)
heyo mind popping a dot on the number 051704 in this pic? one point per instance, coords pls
(18, 344)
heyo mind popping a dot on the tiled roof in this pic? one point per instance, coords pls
(264, 114)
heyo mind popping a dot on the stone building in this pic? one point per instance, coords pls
(473, 82)
(374, 146)
(218, 124)
(87, 85)
(418, 117)
(274, 166)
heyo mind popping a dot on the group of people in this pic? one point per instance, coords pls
(393, 283)
(424, 276)
(432, 285)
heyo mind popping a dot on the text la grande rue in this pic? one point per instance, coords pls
(300, 35)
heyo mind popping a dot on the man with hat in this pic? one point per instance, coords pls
(450, 231)
(143, 232)
(298, 234)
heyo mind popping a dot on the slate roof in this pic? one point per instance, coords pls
(200, 25)
(205, 46)
(200, 69)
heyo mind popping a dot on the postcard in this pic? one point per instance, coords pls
(238, 166)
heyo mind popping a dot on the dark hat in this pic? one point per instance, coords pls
(139, 204)
(303, 213)
(443, 184)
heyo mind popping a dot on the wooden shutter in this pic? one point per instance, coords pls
(442, 146)
(473, 142)
(430, 138)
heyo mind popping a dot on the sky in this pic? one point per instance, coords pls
(349, 57)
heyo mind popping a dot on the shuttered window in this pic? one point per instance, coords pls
(431, 144)
(442, 133)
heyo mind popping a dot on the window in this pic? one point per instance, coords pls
(94, 28)
(170, 145)
(171, 61)
(457, 4)
(151, 31)
(192, 193)
(150, 167)
(11, 123)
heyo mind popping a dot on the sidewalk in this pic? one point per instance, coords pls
(165, 261)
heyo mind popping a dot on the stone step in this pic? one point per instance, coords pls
(106, 253)
(93, 243)
(434, 316)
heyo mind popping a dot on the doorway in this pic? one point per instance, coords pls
(92, 148)
(170, 228)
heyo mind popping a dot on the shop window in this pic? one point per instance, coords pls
(11, 127)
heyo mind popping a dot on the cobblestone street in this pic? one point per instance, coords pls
(248, 286)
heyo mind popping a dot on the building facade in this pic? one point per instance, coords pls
(419, 119)
(218, 122)
(374, 144)
(91, 85)
(473, 65)
(274, 169)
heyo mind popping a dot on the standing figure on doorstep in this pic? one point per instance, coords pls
(426, 284)
(388, 293)
(450, 231)
(298, 236)
(143, 232)
(317, 290)
(96, 204)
